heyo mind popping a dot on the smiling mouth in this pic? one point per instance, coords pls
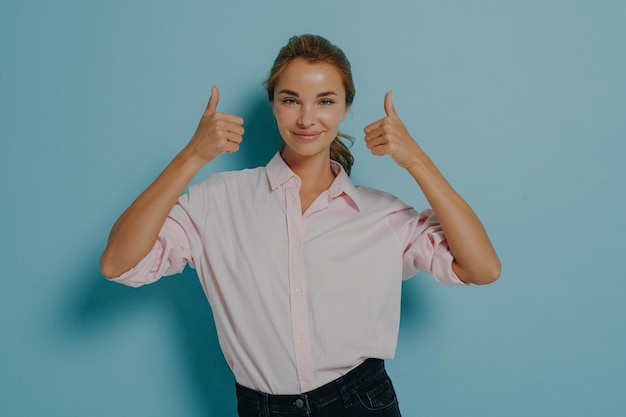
(307, 136)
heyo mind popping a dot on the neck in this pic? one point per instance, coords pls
(314, 171)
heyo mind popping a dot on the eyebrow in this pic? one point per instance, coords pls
(293, 93)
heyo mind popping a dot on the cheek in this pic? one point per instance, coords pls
(282, 117)
(333, 118)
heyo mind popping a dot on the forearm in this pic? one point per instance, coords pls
(133, 235)
(475, 260)
(136, 231)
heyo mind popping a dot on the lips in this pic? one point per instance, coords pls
(307, 136)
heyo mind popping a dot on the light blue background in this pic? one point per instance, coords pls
(521, 104)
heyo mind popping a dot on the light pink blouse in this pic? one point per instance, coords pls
(298, 300)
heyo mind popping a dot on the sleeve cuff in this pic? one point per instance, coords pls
(145, 272)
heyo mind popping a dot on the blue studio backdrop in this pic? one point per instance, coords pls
(521, 105)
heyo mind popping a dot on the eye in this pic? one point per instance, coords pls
(326, 102)
(289, 101)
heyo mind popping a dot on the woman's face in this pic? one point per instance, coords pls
(309, 104)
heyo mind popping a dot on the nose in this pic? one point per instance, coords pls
(306, 117)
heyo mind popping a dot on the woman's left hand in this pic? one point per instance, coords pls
(475, 260)
(389, 136)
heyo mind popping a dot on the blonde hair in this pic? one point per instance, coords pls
(314, 48)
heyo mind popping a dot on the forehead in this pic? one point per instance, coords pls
(302, 75)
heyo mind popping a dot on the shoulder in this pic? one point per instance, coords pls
(373, 199)
(232, 180)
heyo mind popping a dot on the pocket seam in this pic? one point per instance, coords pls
(379, 389)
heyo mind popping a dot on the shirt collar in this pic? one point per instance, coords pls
(279, 174)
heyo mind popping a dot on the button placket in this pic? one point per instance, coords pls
(297, 285)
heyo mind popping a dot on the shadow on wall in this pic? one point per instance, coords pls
(193, 327)
(261, 139)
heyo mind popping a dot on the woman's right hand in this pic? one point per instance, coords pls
(217, 133)
(134, 233)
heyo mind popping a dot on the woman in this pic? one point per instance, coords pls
(302, 269)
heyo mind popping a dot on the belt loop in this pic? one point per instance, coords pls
(345, 395)
(265, 405)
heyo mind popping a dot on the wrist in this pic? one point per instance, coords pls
(190, 159)
(417, 162)
(188, 162)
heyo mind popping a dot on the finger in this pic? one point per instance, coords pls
(373, 142)
(373, 126)
(228, 123)
(236, 129)
(390, 110)
(230, 118)
(231, 137)
(215, 97)
(385, 128)
(378, 150)
(230, 147)
(372, 135)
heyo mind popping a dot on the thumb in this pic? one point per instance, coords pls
(215, 97)
(389, 108)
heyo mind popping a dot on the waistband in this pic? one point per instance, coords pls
(319, 397)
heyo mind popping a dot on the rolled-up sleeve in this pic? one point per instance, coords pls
(177, 244)
(424, 245)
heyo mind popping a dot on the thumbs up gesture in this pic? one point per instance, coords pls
(217, 133)
(389, 136)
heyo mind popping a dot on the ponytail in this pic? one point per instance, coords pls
(340, 153)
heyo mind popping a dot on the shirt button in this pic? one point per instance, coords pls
(302, 339)
(297, 291)
(296, 244)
